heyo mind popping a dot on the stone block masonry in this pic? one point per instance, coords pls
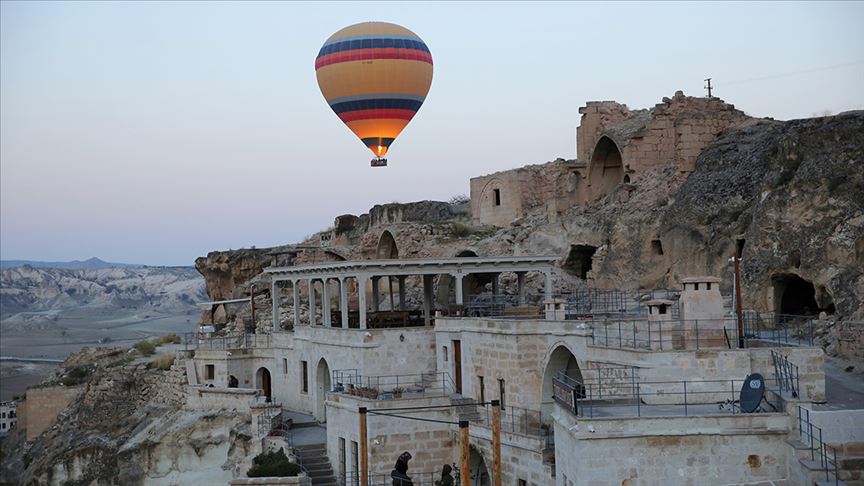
(44, 405)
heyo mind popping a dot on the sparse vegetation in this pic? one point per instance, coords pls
(270, 464)
(145, 347)
(76, 375)
(462, 230)
(169, 339)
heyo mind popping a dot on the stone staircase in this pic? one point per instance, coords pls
(466, 408)
(314, 459)
(849, 469)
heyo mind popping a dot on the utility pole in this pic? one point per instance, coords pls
(738, 310)
(465, 468)
(364, 454)
(708, 86)
(496, 442)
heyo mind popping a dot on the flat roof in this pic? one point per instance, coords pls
(416, 266)
(229, 301)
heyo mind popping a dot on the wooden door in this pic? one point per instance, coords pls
(457, 365)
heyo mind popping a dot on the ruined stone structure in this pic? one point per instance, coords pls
(614, 146)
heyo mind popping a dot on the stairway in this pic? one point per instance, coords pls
(466, 408)
(816, 473)
(314, 459)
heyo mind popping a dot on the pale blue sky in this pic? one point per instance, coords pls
(155, 132)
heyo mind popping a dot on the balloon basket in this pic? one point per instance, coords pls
(379, 162)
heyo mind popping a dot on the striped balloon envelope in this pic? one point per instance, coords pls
(375, 76)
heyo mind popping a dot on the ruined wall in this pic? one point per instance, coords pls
(547, 189)
(44, 405)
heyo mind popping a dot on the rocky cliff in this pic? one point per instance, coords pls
(787, 196)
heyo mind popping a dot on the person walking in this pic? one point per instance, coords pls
(400, 471)
(446, 477)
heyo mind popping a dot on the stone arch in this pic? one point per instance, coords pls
(486, 207)
(560, 358)
(322, 387)
(606, 169)
(387, 249)
(478, 472)
(263, 382)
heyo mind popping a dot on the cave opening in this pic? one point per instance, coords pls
(656, 247)
(579, 260)
(797, 296)
(739, 247)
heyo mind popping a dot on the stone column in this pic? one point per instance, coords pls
(295, 289)
(427, 299)
(361, 294)
(547, 289)
(376, 294)
(274, 300)
(459, 295)
(401, 292)
(343, 301)
(311, 302)
(520, 285)
(495, 283)
(325, 302)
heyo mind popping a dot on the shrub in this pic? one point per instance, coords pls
(145, 347)
(268, 464)
(169, 339)
(76, 375)
(462, 230)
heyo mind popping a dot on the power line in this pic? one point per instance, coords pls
(421, 419)
(792, 73)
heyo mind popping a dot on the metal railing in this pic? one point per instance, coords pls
(420, 478)
(811, 436)
(578, 304)
(392, 387)
(786, 374)
(667, 398)
(787, 329)
(200, 341)
(662, 335)
(517, 420)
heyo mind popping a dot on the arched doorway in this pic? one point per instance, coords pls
(322, 386)
(561, 359)
(387, 249)
(262, 382)
(478, 472)
(606, 170)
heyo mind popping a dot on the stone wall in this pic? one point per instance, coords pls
(431, 444)
(44, 405)
(715, 450)
(302, 480)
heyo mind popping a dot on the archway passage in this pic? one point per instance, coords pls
(322, 383)
(561, 360)
(606, 168)
(478, 473)
(579, 260)
(262, 382)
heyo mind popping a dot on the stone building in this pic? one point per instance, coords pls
(614, 147)
(8, 417)
(578, 385)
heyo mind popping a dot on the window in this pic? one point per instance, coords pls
(501, 391)
(482, 389)
(3, 415)
(210, 372)
(446, 354)
(285, 366)
(3, 425)
(497, 193)
(304, 369)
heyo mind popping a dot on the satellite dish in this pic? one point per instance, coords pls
(752, 392)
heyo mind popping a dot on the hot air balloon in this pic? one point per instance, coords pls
(375, 76)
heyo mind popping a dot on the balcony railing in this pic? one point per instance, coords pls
(200, 341)
(664, 335)
(392, 387)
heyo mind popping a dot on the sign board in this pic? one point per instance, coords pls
(565, 395)
(206, 329)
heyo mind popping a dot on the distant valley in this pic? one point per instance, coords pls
(51, 312)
